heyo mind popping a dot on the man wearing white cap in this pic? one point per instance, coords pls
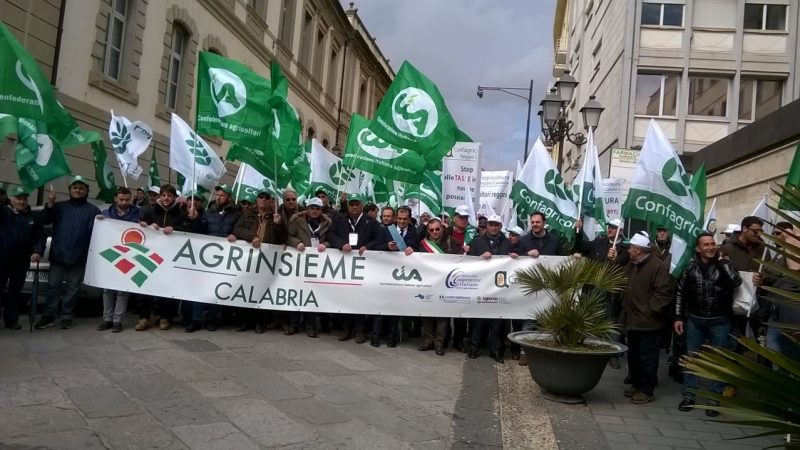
(732, 229)
(487, 245)
(649, 290)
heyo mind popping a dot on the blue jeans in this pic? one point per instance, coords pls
(781, 344)
(699, 330)
(71, 277)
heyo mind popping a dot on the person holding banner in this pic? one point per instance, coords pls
(164, 214)
(492, 243)
(387, 217)
(539, 241)
(72, 221)
(349, 232)
(434, 329)
(257, 227)
(115, 303)
(463, 233)
(309, 229)
(402, 237)
(22, 241)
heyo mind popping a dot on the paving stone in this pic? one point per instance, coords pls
(68, 359)
(37, 391)
(46, 342)
(357, 434)
(349, 360)
(102, 401)
(85, 337)
(20, 368)
(608, 419)
(669, 441)
(384, 418)
(613, 437)
(80, 377)
(312, 410)
(653, 423)
(263, 422)
(138, 341)
(222, 359)
(197, 345)
(214, 436)
(218, 388)
(79, 439)
(141, 431)
(156, 386)
(477, 427)
(182, 366)
(419, 393)
(690, 434)
(37, 419)
(266, 383)
(436, 444)
(335, 394)
(627, 428)
(441, 424)
(302, 378)
(180, 411)
(327, 369)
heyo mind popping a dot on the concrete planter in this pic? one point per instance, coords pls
(565, 373)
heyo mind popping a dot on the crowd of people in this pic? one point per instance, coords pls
(655, 311)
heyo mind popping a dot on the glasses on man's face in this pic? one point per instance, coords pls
(434, 230)
(290, 200)
(756, 230)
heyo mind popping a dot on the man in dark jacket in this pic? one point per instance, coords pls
(73, 221)
(349, 232)
(539, 241)
(166, 215)
(309, 229)
(649, 290)
(22, 241)
(408, 233)
(115, 303)
(434, 329)
(704, 307)
(286, 211)
(218, 220)
(487, 245)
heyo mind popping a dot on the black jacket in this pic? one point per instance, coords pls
(369, 232)
(218, 221)
(706, 291)
(73, 222)
(483, 243)
(548, 244)
(21, 235)
(597, 250)
(412, 237)
(174, 216)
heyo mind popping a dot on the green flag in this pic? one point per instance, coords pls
(153, 178)
(792, 183)
(103, 173)
(40, 158)
(428, 193)
(413, 116)
(232, 101)
(661, 192)
(368, 152)
(698, 186)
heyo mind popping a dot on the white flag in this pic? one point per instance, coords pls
(327, 169)
(587, 189)
(539, 187)
(710, 224)
(129, 140)
(762, 212)
(192, 157)
(473, 219)
(250, 182)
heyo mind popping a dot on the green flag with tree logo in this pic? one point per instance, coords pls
(232, 101)
(413, 116)
(368, 152)
(661, 192)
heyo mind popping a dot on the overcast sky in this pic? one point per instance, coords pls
(460, 44)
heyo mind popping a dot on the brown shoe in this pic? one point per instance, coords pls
(142, 325)
(163, 324)
(360, 338)
(641, 398)
(523, 360)
(629, 391)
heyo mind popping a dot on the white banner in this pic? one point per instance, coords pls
(461, 171)
(612, 197)
(495, 191)
(126, 257)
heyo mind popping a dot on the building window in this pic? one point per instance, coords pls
(662, 14)
(319, 51)
(260, 7)
(175, 66)
(757, 98)
(708, 96)
(656, 94)
(325, 143)
(310, 133)
(764, 17)
(333, 72)
(362, 99)
(115, 39)
(307, 33)
(286, 27)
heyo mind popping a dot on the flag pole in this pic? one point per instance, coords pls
(238, 182)
(766, 249)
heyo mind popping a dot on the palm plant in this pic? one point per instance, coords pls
(577, 288)
(772, 395)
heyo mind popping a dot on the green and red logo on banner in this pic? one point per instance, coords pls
(132, 258)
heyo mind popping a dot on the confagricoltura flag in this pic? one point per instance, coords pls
(661, 193)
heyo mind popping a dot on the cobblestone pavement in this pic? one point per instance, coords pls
(85, 389)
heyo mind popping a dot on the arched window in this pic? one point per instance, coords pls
(310, 133)
(362, 99)
(176, 57)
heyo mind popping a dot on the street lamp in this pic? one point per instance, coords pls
(528, 99)
(556, 124)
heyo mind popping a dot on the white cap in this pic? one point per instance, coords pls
(641, 239)
(444, 214)
(615, 223)
(732, 228)
(516, 230)
(314, 201)
(462, 210)
(155, 189)
(494, 218)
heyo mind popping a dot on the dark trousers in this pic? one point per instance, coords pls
(459, 331)
(643, 352)
(434, 330)
(353, 323)
(165, 308)
(71, 277)
(211, 311)
(495, 327)
(312, 321)
(520, 325)
(385, 323)
(12, 273)
(698, 331)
